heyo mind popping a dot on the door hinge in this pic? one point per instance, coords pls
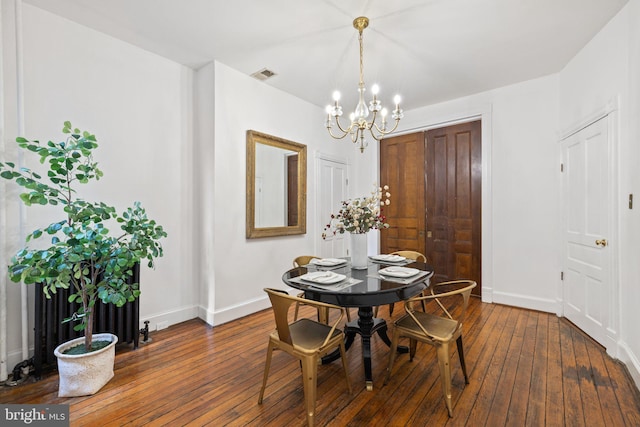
(562, 275)
(346, 181)
(561, 167)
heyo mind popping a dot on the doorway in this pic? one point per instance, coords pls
(587, 255)
(436, 185)
(333, 180)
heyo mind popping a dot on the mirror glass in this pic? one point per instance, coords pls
(276, 186)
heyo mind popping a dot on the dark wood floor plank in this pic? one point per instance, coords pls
(489, 384)
(196, 375)
(538, 385)
(554, 398)
(524, 373)
(500, 405)
(573, 412)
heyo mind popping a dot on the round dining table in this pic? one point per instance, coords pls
(363, 289)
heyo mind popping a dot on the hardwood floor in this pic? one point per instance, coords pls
(526, 368)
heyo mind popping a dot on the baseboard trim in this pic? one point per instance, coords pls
(546, 305)
(631, 362)
(163, 320)
(234, 312)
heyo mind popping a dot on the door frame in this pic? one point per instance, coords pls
(484, 114)
(609, 112)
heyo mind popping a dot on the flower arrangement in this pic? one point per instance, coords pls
(360, 215)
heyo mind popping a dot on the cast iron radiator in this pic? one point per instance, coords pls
(50, 331)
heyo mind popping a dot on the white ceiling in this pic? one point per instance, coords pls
(427, 50)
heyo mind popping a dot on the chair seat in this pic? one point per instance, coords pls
(440, 328)
(308, 336)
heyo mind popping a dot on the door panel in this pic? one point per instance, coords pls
(586, 288)
(453, 202)
(402, 169)
(331, 192)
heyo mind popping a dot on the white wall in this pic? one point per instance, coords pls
(243, 267)
(607, 71)
(520, 210)
(139, 107)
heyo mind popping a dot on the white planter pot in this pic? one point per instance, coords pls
(85, 374)
(359, 260)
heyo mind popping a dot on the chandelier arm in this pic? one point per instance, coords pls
(345, 131)
(336, 136)
(381, 132)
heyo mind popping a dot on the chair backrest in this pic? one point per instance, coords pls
(414, 255)
(460, 287)
(303, 260)
(280, 302)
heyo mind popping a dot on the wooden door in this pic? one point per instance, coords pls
(402, 166)
(453, 202)
(587, 256)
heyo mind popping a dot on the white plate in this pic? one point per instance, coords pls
(328, 262)
(388, 258)
(398, 271)
(323, 277)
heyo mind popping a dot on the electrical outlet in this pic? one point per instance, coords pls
(162, 325)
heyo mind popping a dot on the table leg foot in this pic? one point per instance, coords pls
(369, 385)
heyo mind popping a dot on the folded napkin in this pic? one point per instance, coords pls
(323, 277)
(399, 271)
(328, 262)
(388, 258)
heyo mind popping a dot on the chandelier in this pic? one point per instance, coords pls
(359, 124)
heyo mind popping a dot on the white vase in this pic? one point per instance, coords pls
(85, 374)
(358, 251)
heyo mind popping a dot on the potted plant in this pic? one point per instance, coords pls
(81, 255)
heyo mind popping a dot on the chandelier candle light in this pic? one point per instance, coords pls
(359, 123)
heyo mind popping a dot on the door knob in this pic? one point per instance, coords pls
(601, 242)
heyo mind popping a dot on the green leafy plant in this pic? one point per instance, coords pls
(82, 255)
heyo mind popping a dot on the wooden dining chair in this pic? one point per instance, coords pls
(438, 329)
(300, 261)
(414, 255)
(306, 340)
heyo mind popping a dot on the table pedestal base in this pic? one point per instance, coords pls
(365, 326)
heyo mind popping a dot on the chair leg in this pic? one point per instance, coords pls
(343, 356)
(309, 383)
(392, 354)
(445, 374)
(413, 345)
(267, 366)
(461, 356)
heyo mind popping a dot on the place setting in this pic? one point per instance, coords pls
(390, 259)
(400, 274)
(327, 263)
(326, 280)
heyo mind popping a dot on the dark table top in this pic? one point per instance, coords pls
(371, 290)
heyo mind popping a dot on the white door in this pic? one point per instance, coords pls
(587, 285)
(333, 179)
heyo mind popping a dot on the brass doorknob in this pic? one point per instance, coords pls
(601, 242)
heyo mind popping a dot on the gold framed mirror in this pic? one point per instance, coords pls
(276, 186)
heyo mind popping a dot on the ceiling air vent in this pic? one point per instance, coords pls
(263, 74)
